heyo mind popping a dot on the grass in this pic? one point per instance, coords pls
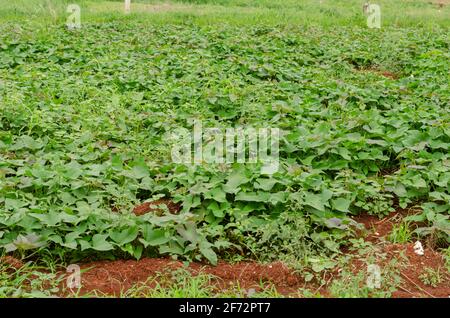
(181, 283)
(431, 276)
(304, 13)
(401, 233)
(366, 271)
(351, 285)
(29, 281)
(447, 258)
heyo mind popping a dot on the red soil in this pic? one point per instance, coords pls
(384, 73)
(412, 286)
(11, 262)
(389, 74)
(415, 264)
(112, 277)
(148, 207)
(379, 228)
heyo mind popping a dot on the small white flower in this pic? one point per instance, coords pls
(418, 248)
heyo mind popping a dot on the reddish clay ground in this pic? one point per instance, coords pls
(13, 263)
(383, 73)
(415, 264)
(112, 277)
(377, 228)
(115, 277)
(152, 207)
(412, 286)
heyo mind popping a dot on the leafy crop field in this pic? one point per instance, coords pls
(86, 119)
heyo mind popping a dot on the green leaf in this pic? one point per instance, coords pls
(400, 190)
(208, 252)
(116, 163)
(50, 219)
(99, 243)
(265, 184)
(189, 232)
(314, 200)
(125, 236)
(253, 197)
(153, 237)
(171, 248)
(73, 170)
(234, 182)
(140, 171)
(135, 251)
(341, 204)
(13, 204)
(42, 173)
(218, 210)
(84, 244)
(216, 194)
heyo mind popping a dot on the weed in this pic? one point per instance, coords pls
(183, 284)
(447, 258)
(355, 285)
(401, 233)
(431, 277)
(27, 281)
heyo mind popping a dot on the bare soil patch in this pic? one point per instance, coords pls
(380, 72)
(379, 228)
(412, 285)
(114, 277)
(11, 262)
(154, 207)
